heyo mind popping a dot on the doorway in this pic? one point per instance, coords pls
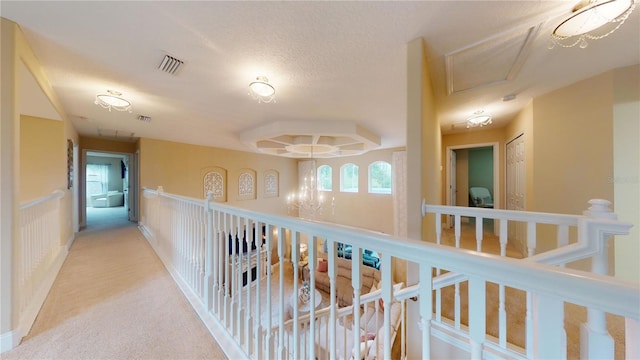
(107, 181)
(472, 165)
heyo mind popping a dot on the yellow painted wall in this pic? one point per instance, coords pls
(349, 206)
(43, 157)
(626, 173)
(179, 168)
(432, 165)
(573, 161)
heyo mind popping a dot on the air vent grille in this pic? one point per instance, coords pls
(170, 64)
(144, 118)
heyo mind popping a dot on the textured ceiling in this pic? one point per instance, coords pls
(329, 61)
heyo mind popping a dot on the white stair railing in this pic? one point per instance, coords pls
(248, 282)
(594, 229)
(39, 254)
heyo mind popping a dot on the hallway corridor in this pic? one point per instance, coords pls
(113, 299)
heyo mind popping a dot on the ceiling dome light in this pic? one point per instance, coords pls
(113, 100)
(479, 118)
(262, 91)
(590, 15)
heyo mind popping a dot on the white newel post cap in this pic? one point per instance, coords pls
(209, 195)
(600, 209)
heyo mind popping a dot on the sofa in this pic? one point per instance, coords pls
(344, 290)
(110, 199)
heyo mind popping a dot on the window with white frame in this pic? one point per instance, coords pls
(349, 178)
(324, 178)
(97, 179)
(380, 177)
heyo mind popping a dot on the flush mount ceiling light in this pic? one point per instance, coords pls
(589, 15)
(479, 118)
(113, 100)
(262, 91)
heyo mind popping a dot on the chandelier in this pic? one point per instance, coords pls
(113, 100)
(590, 15)
(262, 91)
(310, 200)
(479, 118)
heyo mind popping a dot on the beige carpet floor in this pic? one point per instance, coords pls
(113, 299)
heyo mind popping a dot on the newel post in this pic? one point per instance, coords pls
(208, 259)
(595, 340)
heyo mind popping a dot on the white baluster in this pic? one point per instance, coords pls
(332, 270)
(438, 291)
(550, 339)
(311, 263)
(456, 304)
(457, 230)
(531, 238)
(281, 252)
(477, 324)
(502, 318)
(504, 237)
(295, 256)
(356, 283)
(425, 304)
(479, 221)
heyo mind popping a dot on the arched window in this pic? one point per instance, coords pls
(380, 177)
(324, 178)
(349, 178)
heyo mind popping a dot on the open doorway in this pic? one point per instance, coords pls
(473, 166)
(107, 183)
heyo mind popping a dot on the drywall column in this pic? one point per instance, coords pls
(626, 184)
(9, 173)
(415, 58)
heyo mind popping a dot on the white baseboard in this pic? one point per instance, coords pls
(216, 329)
(70, 241)
(7, 341)
(12, 339)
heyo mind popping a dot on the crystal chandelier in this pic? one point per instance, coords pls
(479, 118)
(113, 100)
(262, 91)
(309, 201)
(588, 16)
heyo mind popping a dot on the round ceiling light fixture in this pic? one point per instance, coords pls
(262, 91)
(590, 15)
(113, 100)
(479, 118)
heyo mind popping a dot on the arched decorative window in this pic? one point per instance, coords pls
(247, 185)
(271, 183)
(324, 175)
(214, 183)
(380, 177)
(349, 178)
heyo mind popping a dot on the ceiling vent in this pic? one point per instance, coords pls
(170, 64)
(144, 118)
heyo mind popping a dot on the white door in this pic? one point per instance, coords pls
(516, 184)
